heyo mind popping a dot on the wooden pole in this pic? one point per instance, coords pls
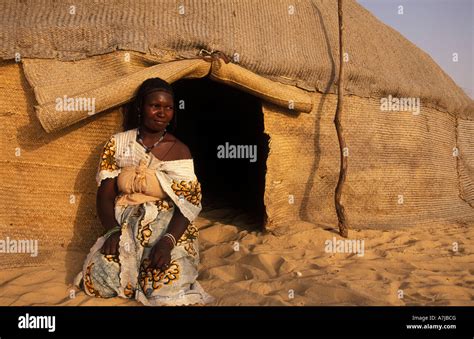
(341, 215)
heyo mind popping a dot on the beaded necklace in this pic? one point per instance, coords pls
(148, 149)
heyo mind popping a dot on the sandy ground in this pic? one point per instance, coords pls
(415, 266)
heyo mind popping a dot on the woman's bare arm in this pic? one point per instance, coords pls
(178, 224)
(105, 202)
(161, 253)
(106, 195)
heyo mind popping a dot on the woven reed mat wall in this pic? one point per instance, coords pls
(112, 80)
(48, 191)
(294, 45)
(391, 154)
(48, 188)
(270, 91)
(466, 159)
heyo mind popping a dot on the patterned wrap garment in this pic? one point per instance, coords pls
(150, 190)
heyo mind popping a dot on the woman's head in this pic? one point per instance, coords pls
(152, 107)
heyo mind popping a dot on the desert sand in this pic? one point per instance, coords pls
(411, 266)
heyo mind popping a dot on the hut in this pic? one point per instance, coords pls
(272, 84)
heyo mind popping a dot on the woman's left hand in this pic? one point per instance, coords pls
(160, 255)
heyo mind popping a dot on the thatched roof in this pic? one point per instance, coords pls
(299, 48)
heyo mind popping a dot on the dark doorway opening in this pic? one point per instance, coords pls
(209, 115)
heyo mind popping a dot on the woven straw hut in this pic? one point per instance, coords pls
(279, 88)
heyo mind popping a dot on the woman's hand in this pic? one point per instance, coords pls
(111, 245)
(160, 254)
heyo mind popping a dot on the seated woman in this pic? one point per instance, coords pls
(147, 199)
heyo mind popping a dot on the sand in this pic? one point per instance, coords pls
(240, 266)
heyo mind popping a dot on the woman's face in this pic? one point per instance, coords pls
(158, 110)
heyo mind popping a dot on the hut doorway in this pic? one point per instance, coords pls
(223, 128)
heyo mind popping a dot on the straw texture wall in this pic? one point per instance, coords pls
(465, 146)
(48, 183)
(293, 43)
(48, 190)
(393, 156)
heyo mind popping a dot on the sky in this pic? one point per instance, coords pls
(439, 27)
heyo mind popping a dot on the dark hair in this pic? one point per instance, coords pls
(134, 107)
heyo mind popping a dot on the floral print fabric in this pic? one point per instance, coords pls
(128, 274)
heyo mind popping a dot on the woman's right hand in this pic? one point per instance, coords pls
(111, 245)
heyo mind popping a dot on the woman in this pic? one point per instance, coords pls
(147, 200)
